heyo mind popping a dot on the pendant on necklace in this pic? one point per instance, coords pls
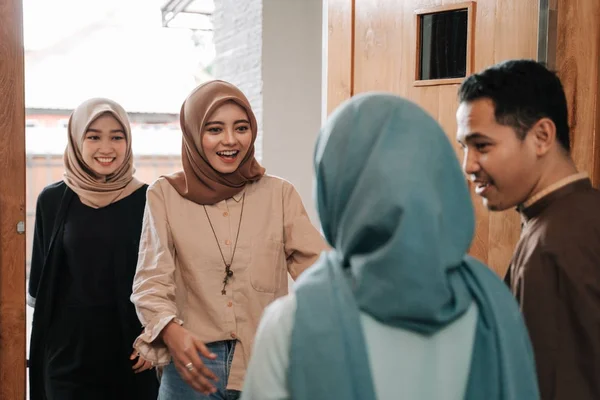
(228, 274)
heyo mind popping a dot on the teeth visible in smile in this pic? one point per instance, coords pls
(105, 159)
(228, 153)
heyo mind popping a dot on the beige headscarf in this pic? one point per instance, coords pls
(199, 182)
(94, 190)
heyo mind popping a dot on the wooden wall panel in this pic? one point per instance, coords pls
(379, 47)
(596, 160)
(385, 59)
(12, 202)
(578, 58)
(340, 44)
(515, 29)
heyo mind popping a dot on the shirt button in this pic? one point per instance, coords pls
(226, 214)
(233, 335)
(228, 242)
(230, 304)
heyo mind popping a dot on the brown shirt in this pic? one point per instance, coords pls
(555, 275)
(180, 269)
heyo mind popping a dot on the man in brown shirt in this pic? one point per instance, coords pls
(512, 124)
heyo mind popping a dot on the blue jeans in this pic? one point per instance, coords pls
(172, 387)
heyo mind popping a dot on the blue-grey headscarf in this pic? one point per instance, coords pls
(395, 207)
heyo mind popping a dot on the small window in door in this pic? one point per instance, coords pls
(444, 44)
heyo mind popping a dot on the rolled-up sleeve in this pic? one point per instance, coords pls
(154, 283)
(303, 242)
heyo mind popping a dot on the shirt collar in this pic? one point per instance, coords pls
(537, 204)
(238, 196)
(553, 188)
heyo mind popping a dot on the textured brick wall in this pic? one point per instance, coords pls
(238, 44)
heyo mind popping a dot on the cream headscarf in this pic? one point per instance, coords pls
(199, 182)
(94, 190)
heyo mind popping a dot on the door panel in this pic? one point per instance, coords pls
(578, 64)
(12, 202)
(340, 36)
(384, 59)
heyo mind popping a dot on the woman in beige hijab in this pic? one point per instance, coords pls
(218, 241)
(85, 247)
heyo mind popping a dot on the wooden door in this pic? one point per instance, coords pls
(578, 66)
(373, 46)
(12, 203)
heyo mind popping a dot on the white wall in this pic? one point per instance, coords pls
(272, 49)
(292, 90)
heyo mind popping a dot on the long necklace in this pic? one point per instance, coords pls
(228, 271)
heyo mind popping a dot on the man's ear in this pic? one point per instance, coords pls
(544, 135)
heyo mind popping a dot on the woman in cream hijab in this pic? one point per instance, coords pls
(85, 246)
(218, 241)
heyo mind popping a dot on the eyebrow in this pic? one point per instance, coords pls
(473, 136)
(239, 121)
(99, 131)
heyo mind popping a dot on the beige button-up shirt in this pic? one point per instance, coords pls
(180, 270)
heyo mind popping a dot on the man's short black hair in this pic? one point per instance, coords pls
(523, 92)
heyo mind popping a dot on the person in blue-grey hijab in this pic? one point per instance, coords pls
(397, 309)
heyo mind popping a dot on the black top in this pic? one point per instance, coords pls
(76, 251)
(93, 240)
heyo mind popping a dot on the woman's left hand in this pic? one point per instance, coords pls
(142, 364)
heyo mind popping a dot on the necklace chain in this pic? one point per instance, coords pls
(228, 271)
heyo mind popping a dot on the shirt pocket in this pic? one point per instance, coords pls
(268, 263)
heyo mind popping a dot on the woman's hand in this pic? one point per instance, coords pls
(142, 364)
(184, 347)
